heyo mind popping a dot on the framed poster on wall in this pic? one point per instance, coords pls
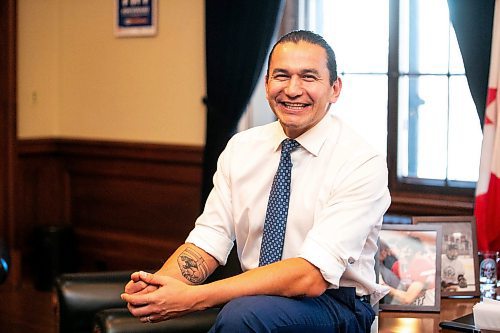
(136, 18)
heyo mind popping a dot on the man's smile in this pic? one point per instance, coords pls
(294, 106)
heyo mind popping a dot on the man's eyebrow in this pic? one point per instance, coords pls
(309, 71)
(302, 72)
(279, 70)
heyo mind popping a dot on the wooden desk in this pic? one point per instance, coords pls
(425, 322)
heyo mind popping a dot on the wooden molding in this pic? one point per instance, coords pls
(127, 202)
(8, 130)
(132, 204)
(430, 204)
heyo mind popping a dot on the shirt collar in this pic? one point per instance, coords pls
(312, 140)
(278, 135)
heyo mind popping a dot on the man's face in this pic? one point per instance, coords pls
(298, 87)
(452, 253)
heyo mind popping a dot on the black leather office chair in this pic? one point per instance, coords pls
(91, 302)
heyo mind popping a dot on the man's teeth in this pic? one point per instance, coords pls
(295, 105)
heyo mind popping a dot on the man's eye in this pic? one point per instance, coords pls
(280, 77)
(309, 77)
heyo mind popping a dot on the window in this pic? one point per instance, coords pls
(437, 117)
(362, 60)
(404, 79)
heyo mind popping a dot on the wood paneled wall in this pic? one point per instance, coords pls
(130, 204)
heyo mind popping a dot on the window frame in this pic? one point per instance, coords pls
(410, 196)
(444, 197)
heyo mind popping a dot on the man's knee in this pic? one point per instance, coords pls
(239, 315)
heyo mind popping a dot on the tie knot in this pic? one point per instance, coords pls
(288, 145)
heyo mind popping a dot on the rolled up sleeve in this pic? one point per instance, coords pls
(347, 221)
(214, 228)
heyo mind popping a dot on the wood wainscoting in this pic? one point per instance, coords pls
(129, 204)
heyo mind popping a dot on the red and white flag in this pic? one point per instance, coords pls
(487, 209)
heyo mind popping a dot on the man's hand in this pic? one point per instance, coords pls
(153, 298)
(137, 286)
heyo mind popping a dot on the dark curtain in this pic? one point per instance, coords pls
(238, 37)
(473, 24)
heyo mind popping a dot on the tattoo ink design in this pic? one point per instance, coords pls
(192, 265)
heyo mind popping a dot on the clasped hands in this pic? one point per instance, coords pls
(154, 297)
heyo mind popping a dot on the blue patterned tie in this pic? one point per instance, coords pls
(273, 235)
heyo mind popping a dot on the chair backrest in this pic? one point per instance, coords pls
(81, 295)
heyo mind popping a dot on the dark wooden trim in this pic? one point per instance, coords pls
(421, 204)
(113, 149)
(8, 133)
(8, 83)
(31, 147)
(122, 250)
(130, 204)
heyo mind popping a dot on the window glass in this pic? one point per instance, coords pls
(465, 133)
(456, 62)
(423, 115)
(428, 34)
(438, 128)
(438, 131)
(360, 39)
(363, 104)
(359, 34)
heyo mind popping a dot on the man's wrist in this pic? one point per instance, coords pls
(204, 297)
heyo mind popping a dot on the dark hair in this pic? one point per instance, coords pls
(312, 38)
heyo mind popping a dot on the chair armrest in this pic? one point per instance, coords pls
(81, 295)
(121, 321)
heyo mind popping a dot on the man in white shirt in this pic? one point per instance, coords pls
(325, 278)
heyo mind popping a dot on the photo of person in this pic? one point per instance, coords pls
(409, 268)
(388, 265)
(452, 269)
(457, 264)
(459, 272)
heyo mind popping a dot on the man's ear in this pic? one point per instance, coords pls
(266, 85)
(336, 88)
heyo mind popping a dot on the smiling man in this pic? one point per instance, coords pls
(302, 199)
(298, 89)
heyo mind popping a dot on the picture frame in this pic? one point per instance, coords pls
(135, 18)
(458, 254)
(409, 265)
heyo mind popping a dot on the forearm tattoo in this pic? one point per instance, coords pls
(192, 265)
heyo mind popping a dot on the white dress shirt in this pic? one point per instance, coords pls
(338, 197)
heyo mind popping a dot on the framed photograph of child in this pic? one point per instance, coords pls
(409, 265)
(459, 261)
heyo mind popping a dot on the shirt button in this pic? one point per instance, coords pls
(351, 260)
